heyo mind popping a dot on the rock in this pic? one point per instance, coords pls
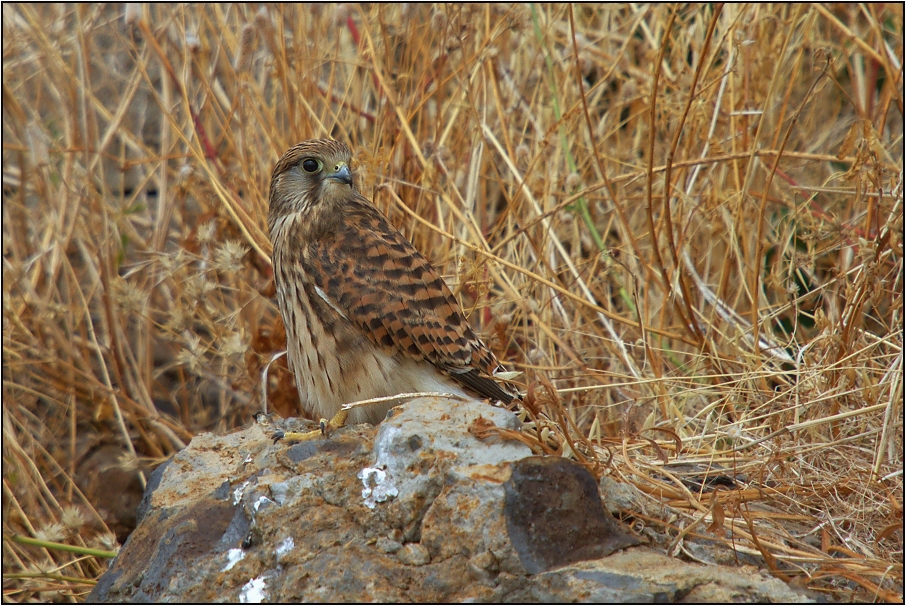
(415, 510)
(414, 554)
(388, 545)
(554, 515)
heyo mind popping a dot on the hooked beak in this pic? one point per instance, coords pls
(341, 173)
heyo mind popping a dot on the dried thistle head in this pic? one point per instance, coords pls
(229, 255)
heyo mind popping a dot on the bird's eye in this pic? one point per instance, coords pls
(310, 166)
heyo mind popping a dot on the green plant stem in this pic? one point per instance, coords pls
(99, 553)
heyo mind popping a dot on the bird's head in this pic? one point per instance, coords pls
(310, 174)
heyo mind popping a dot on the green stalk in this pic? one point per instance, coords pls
(98, 553)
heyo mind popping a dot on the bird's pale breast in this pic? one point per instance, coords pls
(334, 362)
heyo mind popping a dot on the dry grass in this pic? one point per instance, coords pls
(708, 275)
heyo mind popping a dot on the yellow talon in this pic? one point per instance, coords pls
(325, 427)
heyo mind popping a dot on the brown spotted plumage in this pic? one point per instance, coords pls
(366, 314)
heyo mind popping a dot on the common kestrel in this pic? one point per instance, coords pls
(366, 314)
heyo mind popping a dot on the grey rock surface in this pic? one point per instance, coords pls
(415, 510)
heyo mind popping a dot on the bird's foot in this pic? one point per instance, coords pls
(325, 429)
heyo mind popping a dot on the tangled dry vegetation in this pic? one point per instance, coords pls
(710, 277)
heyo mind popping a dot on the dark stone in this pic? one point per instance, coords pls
(223, 492)
(555, 517)
(143, 569)
(153, 482)
(302, 451)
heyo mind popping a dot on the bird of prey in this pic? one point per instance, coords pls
(366, 314)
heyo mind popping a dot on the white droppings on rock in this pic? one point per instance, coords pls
(234, 556)
(262, 500)
(253, 592)
(237, 494)
(285, 546)
(378, 486)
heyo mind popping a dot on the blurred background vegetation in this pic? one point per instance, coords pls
(689, 219)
